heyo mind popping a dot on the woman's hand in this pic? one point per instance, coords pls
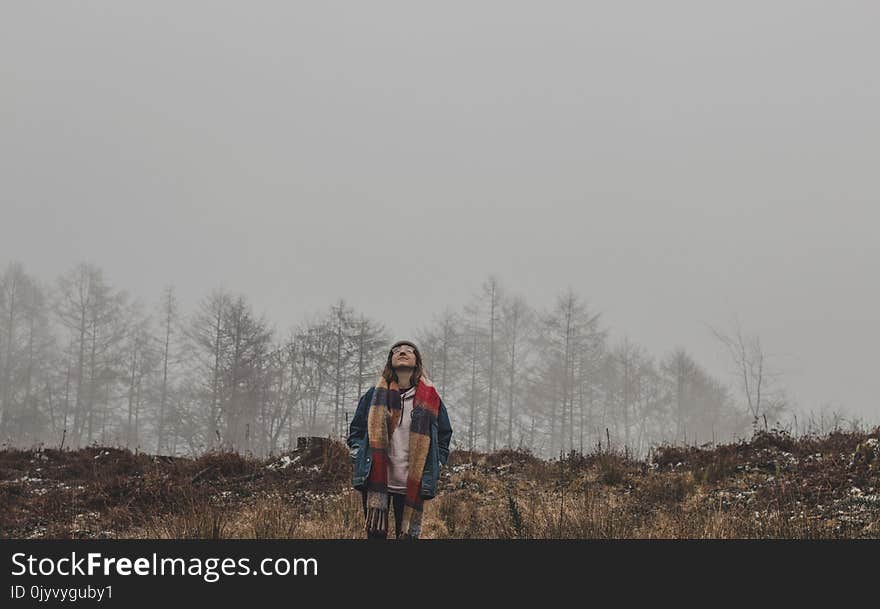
(353, 451)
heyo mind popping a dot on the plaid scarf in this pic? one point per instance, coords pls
(382, 419)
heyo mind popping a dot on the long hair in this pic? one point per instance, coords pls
(389, 374)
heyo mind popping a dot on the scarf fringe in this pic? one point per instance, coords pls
(377, 514)
(377, 522)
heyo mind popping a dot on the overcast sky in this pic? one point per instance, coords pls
(676, 163)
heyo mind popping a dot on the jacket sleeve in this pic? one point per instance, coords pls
(444, 433)
(357, 429)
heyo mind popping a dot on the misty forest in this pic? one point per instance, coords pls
(82, 362)
(128, 419)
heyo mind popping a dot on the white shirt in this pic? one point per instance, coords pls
(398, 447)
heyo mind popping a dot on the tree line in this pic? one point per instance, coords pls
(82, 362)
(554, 381)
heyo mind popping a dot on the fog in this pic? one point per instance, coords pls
(678, 164)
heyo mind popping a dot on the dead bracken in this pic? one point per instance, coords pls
(774, 485)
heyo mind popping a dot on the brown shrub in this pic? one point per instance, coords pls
(219, 464)
(614, 469)
(661, 490)
(774, 438)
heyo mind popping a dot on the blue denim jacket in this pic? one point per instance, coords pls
(359, 447)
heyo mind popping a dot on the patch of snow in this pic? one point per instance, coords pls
(283, 463)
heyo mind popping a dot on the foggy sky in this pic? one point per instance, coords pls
(675, 163)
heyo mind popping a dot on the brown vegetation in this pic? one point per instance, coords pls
(772, 486)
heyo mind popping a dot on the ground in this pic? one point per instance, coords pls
(771, 486)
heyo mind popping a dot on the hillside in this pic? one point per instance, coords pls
(771, 486)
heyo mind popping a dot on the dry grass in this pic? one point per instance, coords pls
(774, 486)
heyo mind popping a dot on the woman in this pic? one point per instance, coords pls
(399, 438)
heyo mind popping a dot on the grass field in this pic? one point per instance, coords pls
(773, 486)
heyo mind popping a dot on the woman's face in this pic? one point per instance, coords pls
(403, 356)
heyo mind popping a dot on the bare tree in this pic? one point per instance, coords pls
(627, 356)
(472, 351)
(341, 322)
(371, 338)
(755, 375)
(249, 340)
(208, 346)
(141, 360)
(680, 372)
(169, 322)
(441, 346)
(279, 401)
(26, 353)
(492, 299)
(312, 371)
(11, 286)
(92, 312)
(569, 328)
(648, 401)
(517, 327)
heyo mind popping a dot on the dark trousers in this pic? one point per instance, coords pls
(397, 502)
